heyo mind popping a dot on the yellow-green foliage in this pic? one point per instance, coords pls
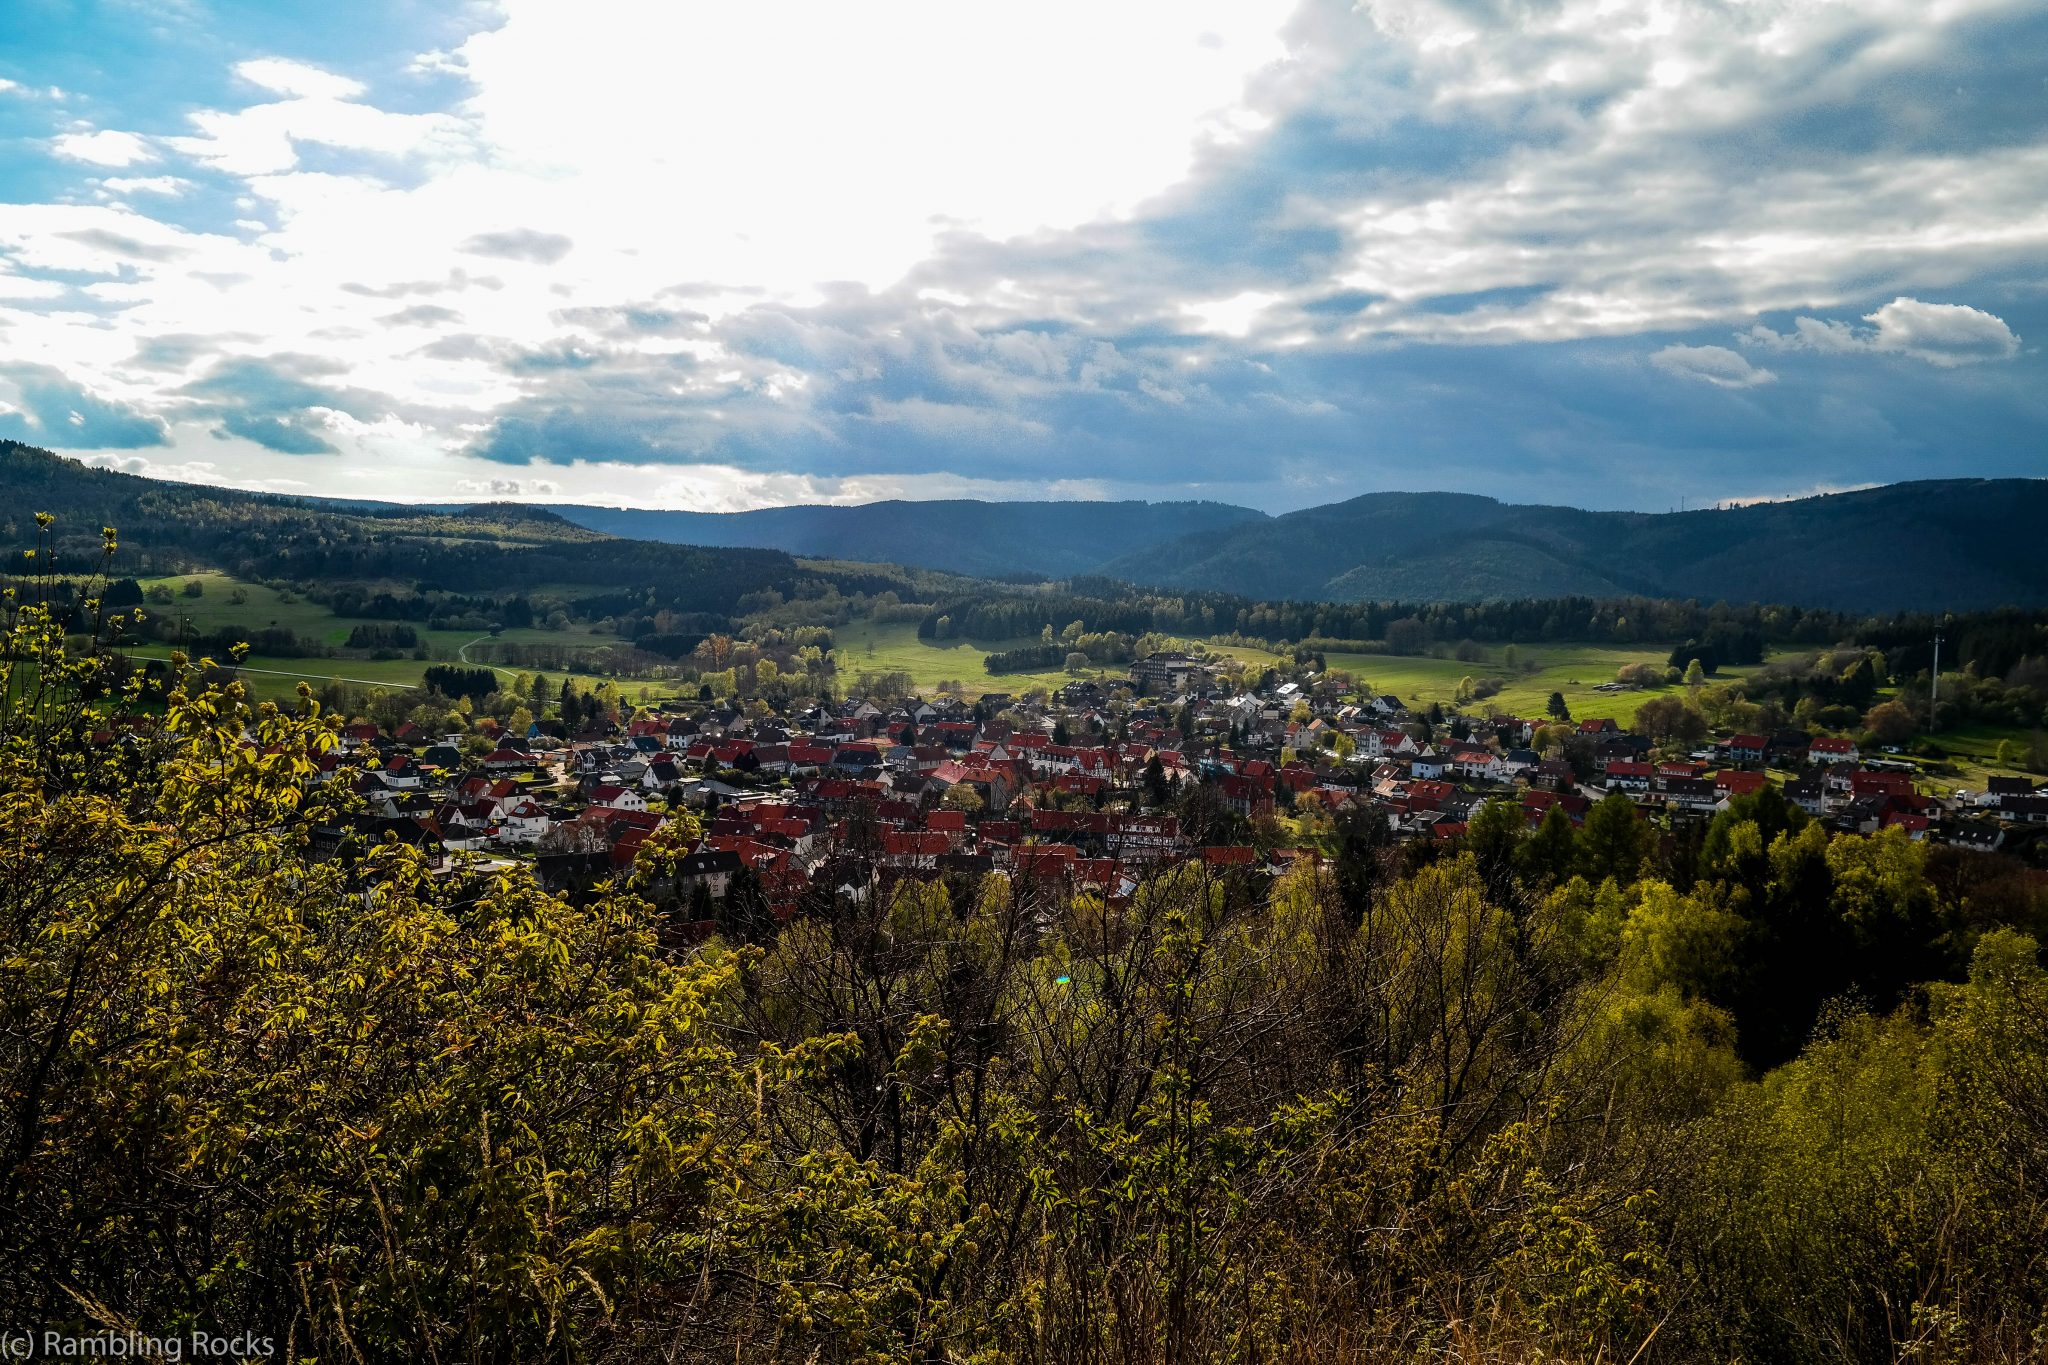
(351, 1107)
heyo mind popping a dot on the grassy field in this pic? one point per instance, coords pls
(1973, 749)
(277, 677)
(213, 609)
(878, 647)
(270, 677)
(1573, 669)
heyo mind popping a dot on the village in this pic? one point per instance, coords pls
(1092, 787)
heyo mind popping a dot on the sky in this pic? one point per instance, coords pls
(1607, 253)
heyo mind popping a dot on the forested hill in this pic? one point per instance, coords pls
(492, 549)
(1963, 544)
(1959, 544)
(985, 539)
(1951, 545)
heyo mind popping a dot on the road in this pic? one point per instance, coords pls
(313, 677)
(463, 654)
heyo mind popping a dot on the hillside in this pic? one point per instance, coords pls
(984, 539)
(487, 551)
(1949, 545)
(1960, 544)
(1942, 545)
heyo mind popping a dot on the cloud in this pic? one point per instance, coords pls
(509, 488)
(285, 403)
(181, 471)
(148, 184)
(292, 435)
(421, 315)
(1715, 365)
(104, 147)
(120, 464)
(520, 244)
(19, 287)
(317, 110)
(297, 78)
(1231, 317)
(1943, 334)
(53, 410)
(123, 247)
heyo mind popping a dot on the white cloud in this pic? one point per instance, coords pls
(509, 488)
(178, 471)
(147, 184)
(1944, 334)
(296, 78)
(122, 464)
(261, 140)
(104, 147)
(20, 287)
(1716, 365)
(1231, 317)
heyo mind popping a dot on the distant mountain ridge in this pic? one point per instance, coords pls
(965, 536)
(1954, 544)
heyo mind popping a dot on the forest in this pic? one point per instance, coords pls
(1731, 634)
(1619, 1092)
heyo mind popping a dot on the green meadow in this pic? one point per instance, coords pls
(890, 646)
(1974, 750)
(1576, 670)
(276, 677)
(272, 678)
(1573, 669)
(265, 606)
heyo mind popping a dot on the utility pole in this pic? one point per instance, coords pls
(1934, 683)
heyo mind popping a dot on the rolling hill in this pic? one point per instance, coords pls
(983, 539)
(1958, 544)
(485, 551)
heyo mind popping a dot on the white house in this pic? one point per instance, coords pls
(617, 798)
(524, 823)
